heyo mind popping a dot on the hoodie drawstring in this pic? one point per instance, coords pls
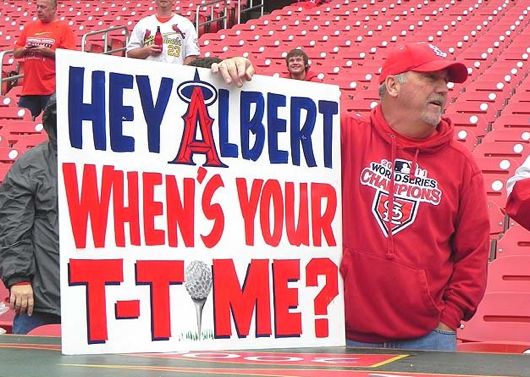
(390, 240)
(414, 165)
(390, 249)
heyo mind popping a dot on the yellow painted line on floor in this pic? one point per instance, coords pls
(391, 360)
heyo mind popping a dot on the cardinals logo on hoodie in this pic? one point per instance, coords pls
(410, 188)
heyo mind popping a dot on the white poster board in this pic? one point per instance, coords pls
(193, 215)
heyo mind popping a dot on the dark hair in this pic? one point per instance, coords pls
(49, 118)
(205, 62)
(297, 52)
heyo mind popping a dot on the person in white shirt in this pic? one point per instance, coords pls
(180, 44)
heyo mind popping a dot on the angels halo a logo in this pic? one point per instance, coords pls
(198, 95)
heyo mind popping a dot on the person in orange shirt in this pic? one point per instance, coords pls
(36, 46)
(297, 63)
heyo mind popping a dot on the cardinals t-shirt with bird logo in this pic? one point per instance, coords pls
(180, 38)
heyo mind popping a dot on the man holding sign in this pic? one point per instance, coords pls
(415, 223)
(414, 211)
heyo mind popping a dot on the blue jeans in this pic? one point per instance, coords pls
(437, 340)
(22, 323)
(35, 104)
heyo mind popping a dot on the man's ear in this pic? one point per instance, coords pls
(392, 86)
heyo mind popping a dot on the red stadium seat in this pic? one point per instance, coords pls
(501, 316)
(117, 44)
(497, 220)
(494, 347)
(499, 166)
(487, 110)
(510, 80)
(30, 141)
(475, 122)
(488, 85)
(359, 106)
(4, 138)
(512, 121)
(466, 137)
(46, 330)
(6, 101)
(509, 135)
(517, 108)
(15, 91)
(515, 151)
(21, 127)
(495, 187)
(509, 274)
(96, 47)
(15, 113)
(516, 241)
(8, 155)
(496, 98)
(6, 317)
(522, 96)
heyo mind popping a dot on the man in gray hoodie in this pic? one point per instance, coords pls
(29, 232)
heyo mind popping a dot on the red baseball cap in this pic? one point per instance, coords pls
(421, 57)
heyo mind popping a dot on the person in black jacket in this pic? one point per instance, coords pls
(29, 236)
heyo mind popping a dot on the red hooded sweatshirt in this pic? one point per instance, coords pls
(309, 75)
(418, 257)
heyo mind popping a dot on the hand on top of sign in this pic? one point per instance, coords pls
(235, 70)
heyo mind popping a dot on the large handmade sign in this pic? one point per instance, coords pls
(193, 215)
